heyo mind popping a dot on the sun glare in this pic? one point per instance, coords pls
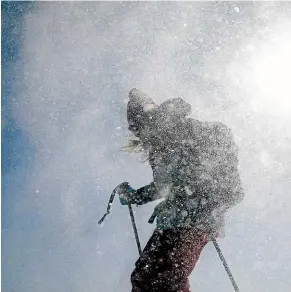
(272, 76)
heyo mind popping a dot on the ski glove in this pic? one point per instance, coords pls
(125, 192)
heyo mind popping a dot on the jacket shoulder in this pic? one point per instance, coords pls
(217, 128)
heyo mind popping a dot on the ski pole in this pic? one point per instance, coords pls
(224, 264)
(131, 217)
(108, 206)
(134, 228)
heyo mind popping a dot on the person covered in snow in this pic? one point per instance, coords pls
(195, 171)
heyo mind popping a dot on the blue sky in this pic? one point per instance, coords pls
(67, 68)
(17, 150)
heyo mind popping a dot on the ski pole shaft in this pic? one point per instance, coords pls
(224, 264)
(134, 228)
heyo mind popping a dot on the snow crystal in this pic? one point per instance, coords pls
(148, 107)
(184, 213)
(188, 190)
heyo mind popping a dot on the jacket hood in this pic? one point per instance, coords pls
(150, 121)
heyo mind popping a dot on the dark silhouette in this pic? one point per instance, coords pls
(194, 167)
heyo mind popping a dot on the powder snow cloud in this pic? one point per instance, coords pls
(79, 62)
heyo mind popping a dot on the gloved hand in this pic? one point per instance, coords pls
(125, 192)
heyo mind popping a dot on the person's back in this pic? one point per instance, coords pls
(196, 173)
(195, 170)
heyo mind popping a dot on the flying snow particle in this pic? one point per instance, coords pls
(236, 9)
(184, 213)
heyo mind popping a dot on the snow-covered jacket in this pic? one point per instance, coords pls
(196, 174)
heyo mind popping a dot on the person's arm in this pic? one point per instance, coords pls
(144, 194)
(140, 196)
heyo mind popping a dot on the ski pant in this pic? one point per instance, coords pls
(168, 260)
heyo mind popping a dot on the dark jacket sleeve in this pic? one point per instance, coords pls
(145, 194)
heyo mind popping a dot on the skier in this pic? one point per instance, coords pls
(195, 171)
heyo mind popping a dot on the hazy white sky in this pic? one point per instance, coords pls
(230, 60)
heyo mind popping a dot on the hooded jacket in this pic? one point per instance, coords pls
(194, 167)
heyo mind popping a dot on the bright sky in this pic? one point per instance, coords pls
(67, 71)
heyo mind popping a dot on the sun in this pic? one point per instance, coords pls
(271, 76)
